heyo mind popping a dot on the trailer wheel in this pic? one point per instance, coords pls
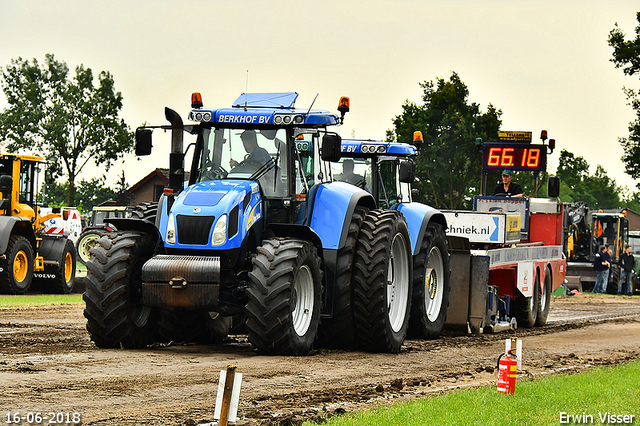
(19, 266)
(545, 299)
(339, 331)
(283, 311)
(431, 286)
(382, 281)
(114, 313)
(525, 309)
(66, 273)
(86, 241)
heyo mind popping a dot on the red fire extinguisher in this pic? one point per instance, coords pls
(507, 367)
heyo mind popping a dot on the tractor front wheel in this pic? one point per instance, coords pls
(283, 311)
(114, 312)
(382, 281)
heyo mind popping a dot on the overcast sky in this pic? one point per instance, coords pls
(545, 64)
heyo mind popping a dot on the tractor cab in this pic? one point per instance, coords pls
(386, 170)
(18, 184)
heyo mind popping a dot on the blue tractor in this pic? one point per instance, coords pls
(259, 231)
(386, 170)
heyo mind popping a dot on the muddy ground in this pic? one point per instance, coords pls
(48, 364)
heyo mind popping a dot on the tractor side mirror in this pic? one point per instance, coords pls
(407, 173)
(48, 176)
(143, 141)
(553, 187)
(331, 147)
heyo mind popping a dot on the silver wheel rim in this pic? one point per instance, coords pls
(85, 245)
(434, 284)
(543, 299)
(302, 301)
(398, 283)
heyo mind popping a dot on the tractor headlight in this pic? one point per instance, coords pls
(219, 235)
(171, 231)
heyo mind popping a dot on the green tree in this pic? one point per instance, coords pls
(597, 191)
(626, 55)
(66, 119)
(88, 194)
(449, 164)
(92, 193)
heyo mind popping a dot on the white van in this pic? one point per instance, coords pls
(69, 223)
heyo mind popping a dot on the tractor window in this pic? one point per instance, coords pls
(246, 154)
(634, 242)
(387, 190)
(304, 163)
(26, 183)
(356, 171)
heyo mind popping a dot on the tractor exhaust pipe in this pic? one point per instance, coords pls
(176, 158)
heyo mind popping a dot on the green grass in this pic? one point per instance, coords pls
(540, 401)
(39, 300)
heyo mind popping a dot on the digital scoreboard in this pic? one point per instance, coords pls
(514, 156)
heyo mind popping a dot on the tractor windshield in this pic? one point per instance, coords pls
(259, 155)
(356, 171)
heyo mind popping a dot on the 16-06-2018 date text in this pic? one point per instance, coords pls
(42, 418)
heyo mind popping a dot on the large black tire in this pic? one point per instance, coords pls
(181, 325)
(65, 275)
(382, 282)
(339, 331)
(545, 299)
(184, 326)
(146, 211)
(18, 269)
(217, 327)
(114, 313)
(86, 241)
(431, 287)
(283, 311)
(525, 309)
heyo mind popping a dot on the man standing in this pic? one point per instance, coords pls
(601, 265)
(511, 189)
(627, 263)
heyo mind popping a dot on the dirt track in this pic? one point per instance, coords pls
(48, 364)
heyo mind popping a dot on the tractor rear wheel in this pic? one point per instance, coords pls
(431, 286)
(19, 266)
(114, 313)
(283, 311)
(339, 331)
(146, 211)
(86, 241)
(382, 281)
(525, 309)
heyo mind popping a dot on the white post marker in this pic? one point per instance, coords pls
(507, 346)
(228, 396)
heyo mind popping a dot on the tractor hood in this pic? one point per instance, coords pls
(212, 215)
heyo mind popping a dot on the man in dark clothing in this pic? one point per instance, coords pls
(601, 265)
(512, 189)
(627, 263)
(256, 155)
